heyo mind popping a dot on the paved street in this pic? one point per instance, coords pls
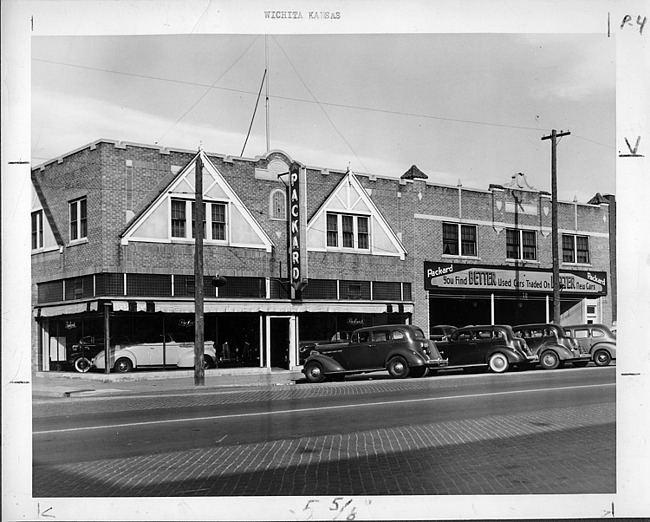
(519, 433)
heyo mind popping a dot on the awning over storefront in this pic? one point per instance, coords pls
(275, 307)
(54, 311)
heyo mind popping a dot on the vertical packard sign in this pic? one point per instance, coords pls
(296, 275)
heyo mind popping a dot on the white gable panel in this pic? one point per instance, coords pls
(216, 192)
(153, 224)
(156, 226)
(382, 243)
(242, 233)
(350, 197)
(317, 233)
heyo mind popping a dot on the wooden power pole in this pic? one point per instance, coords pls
(199, 371)
(554, 225)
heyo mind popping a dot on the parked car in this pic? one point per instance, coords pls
(440, 332)
(596, 339)
(81, 354)
(125, 357)
(552, 345)
(494, 346)
(305, 347)
(401, 349)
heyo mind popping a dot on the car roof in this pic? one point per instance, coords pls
(596, 325)
(384, 326)
(536, 325)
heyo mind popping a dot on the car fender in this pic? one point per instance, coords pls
(610, 347)
(186, 360)
(513, 356)
(123, 353)
(562, 352)
(412, 358)
(329, 365)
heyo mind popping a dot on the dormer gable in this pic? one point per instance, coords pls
(349, 221)
(168, 219)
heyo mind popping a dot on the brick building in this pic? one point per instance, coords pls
(306, 252)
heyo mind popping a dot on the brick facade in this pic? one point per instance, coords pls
(120, 182)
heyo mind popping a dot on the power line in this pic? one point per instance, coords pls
(301, 100)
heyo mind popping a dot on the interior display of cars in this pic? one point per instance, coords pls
(552, 345)
(126, 357)
(401, 349)
(440, 332)
(493, 346)
(82, 352)
(596, 339)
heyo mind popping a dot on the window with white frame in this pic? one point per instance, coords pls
(78, 219)
(183, 220)
(459, 240)
(521, 244)
(37, 230)
(575, 249)
(278, 204)
(348, 231)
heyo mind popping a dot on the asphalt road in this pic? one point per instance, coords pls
(535, 431)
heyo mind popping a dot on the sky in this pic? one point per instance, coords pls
(468, 108)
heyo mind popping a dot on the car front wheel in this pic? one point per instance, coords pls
(82, 364)
(498, 363)
(207, 362)
(602, 358)
(123, 365)
(549, 360)
(314, 372)
(398, 368)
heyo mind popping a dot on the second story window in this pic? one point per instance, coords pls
(459, 240)
(37, 230)
(214, 220)
(521, 244)
(348, 231)
(78, 219)
(575, 249)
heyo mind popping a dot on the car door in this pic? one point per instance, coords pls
(457, 348)
(477, 352)
(361, 352)
(581, 335)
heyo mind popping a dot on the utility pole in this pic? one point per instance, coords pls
(554, 232)
(266, 64)
(199, 371)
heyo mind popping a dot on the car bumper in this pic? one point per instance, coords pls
(437, 363)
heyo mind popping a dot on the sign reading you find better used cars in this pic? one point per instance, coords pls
(497, 279)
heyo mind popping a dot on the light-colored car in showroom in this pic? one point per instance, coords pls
(597, 339)
(126, 356)
(553, 346)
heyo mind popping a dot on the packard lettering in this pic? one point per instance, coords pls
(595, 279)
(440, 271)
(294, 227)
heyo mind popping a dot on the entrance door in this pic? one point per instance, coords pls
(280, 342)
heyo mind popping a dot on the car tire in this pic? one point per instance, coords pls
(498, 363)
(602, 358)
(123, 365)
(207, 362)
(398, 368)
(82, 364)
(314, 372)
(419, 371)
(549, 360)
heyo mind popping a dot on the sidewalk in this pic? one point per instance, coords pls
(71, 384)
